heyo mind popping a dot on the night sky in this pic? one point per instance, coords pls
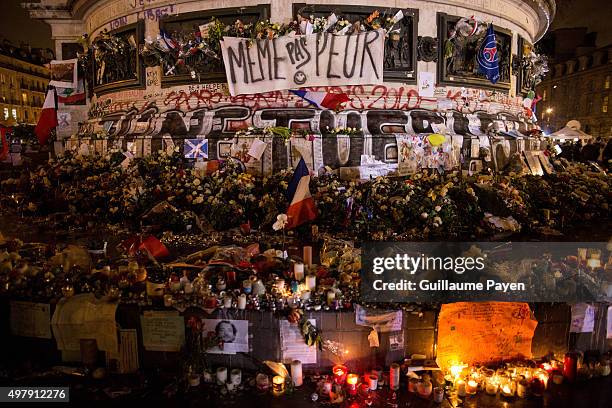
(594, 14)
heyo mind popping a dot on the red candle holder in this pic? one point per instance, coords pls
(340, 372)
(351, 383)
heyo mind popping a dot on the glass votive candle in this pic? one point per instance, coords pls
(278, 385)
(221, 375)
(508, 387)
(351, 383)
(491, 385)
(340, 372)
(425, 388)
(247, 286)
(438, 395)
(413, 385)
(262, 381)
(471, 387)
(522, 387)
(372, 379)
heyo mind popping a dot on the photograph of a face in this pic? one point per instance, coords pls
(233, 334)
(63, 73)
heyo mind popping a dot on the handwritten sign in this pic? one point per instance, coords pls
(293, 346)
(289, 62)
(583, 318)
(484, 332)
(31, 319)
(162, 331)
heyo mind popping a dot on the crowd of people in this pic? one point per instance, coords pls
(589, 150)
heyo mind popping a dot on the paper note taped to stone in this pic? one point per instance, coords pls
(471, 333)
(162, 331)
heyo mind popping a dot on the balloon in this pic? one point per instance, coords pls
(527, 102)
(436, 139)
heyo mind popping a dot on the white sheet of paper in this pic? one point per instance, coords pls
(439, 128)
(583, 318)
(383, 321)
(257, 149)
(162, 330)
(30, 319)
(293, 346)
(427, 81)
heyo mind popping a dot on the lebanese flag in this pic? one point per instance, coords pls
(302, 206)
(70, 95)
(48, 117)
(323, 100)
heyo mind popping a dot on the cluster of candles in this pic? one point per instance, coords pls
(509, 382)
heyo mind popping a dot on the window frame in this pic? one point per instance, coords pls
(443, 77)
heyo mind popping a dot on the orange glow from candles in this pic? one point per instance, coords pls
(352, 379)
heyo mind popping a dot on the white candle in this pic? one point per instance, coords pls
(305, 294)
(296, 373)
(461, 391)
(298, 271)
(242, 302)
(194, 380)
(236, 376)
(222, 375)
(227, 302)
(311, 282)
(394, 377)
(188, 288)
(167, 300)
(331, 296)
(372, 381)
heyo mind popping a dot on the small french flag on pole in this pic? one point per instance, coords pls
(323, 100)
(301, 204)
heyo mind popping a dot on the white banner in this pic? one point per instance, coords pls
(291, 62)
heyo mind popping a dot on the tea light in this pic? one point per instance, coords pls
(242, 302)
(471, 387)
(339, 371)
(461, 388)
(236, 376)
(351, 383)
(311, 282)
(247, 286)
(307, 255)
(278, 385)
(262, 381)
(194, 380)
(296, 373)
(221, 375)
(327, 387)
(372, 381)
(168, 300)
(394, 376)
(425, 388)
(298, 271)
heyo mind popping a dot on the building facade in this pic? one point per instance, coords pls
(155, 106)
(579, 88)
(23, 84)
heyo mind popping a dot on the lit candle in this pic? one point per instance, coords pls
(311, 282)
(167, 300)
(521, 388)
(221, 375)
(298, 271)
(308, 255)
(471, 387)
(461, 389)
(558, 378)
(280, 284)
(327, 387)
(351, 383)
(339, 371)
(278, 385)
(491, 386)
(262, 381)
(236, 376)
(394, 376)
(296, 373)
(242, 302)
(331, 296)
(227, 302)
(508, 388)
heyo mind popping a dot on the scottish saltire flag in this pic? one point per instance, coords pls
(301, 204)
(195, 149)
(323, 100)
(488, 57)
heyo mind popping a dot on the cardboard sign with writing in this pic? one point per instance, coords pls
(290, 62)
(162, 331)
(484, 332)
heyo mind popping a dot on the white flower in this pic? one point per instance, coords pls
(438, 208)
(438, 220)
(281, 222)
(424, 215)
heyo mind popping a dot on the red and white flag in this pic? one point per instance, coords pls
(301, 204)
(323, 100)
(48, 118)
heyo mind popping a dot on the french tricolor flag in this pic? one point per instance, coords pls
(302, 207)
(323, 100)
